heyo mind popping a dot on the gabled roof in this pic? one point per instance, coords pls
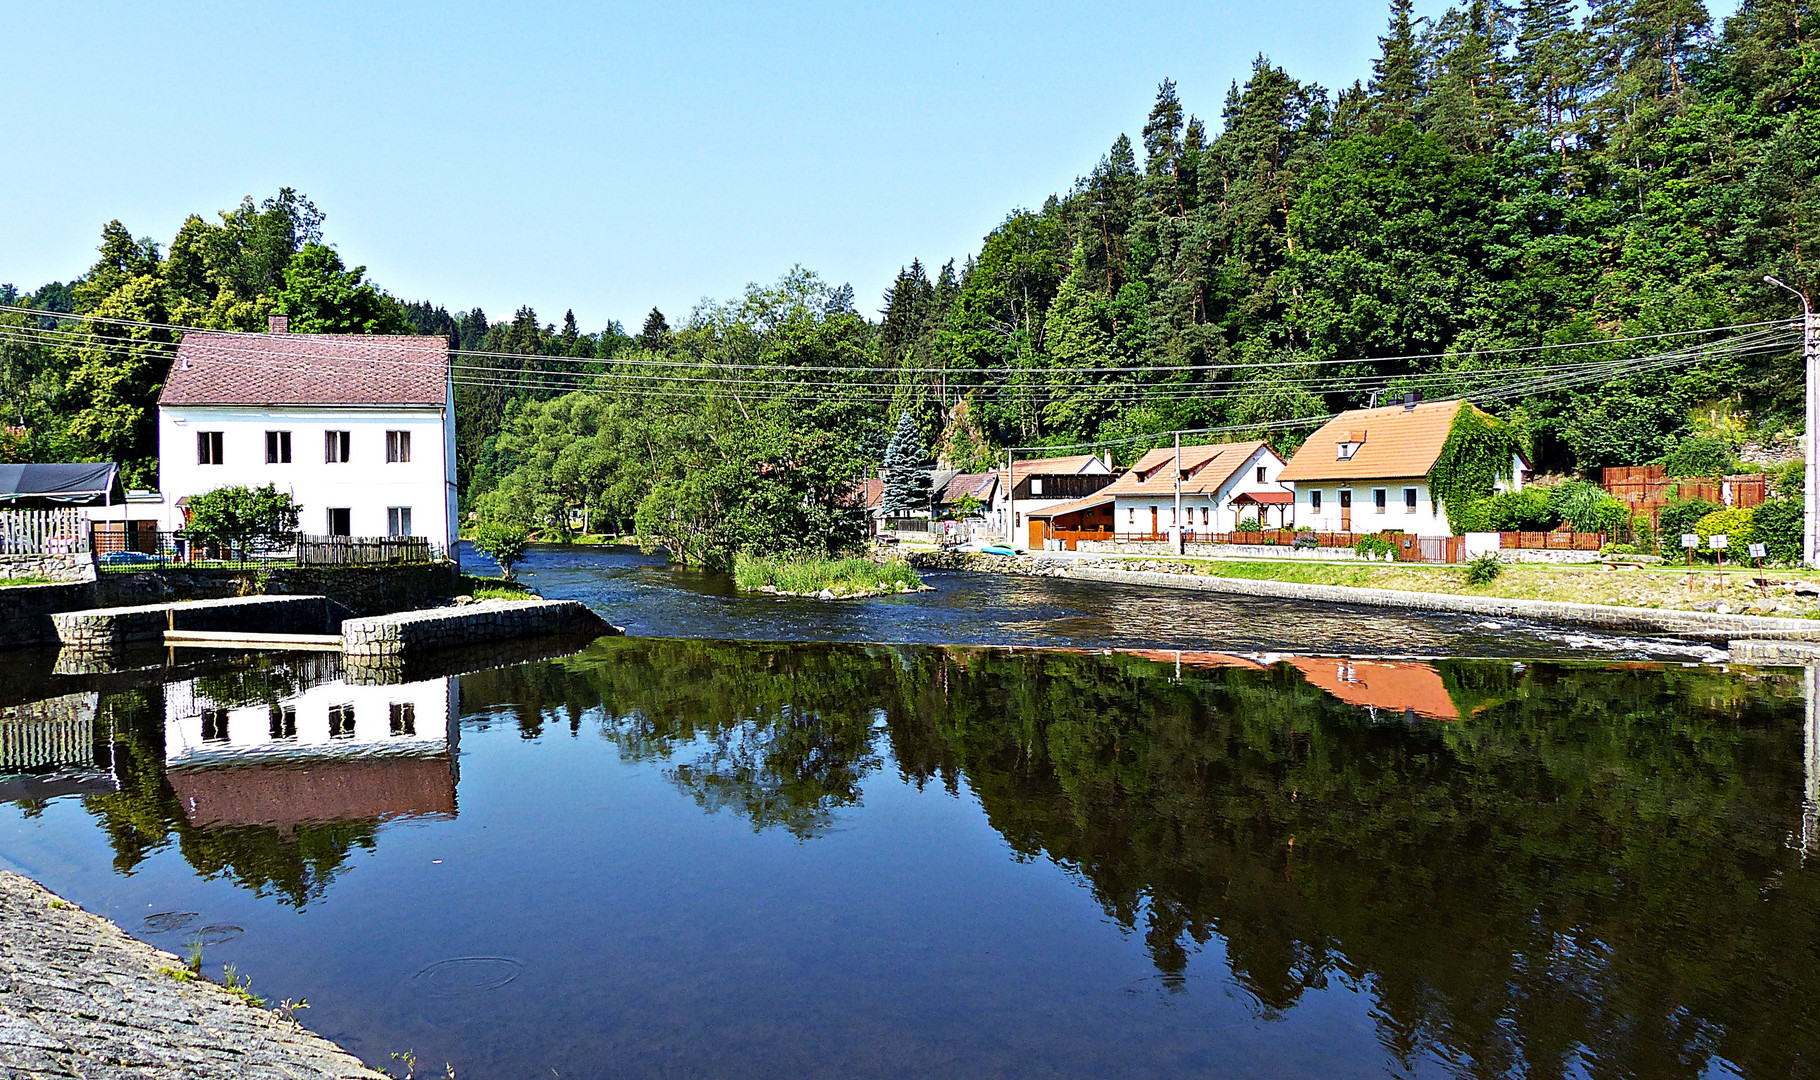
(1207, 468)
(1394, 442)
(1394, 685)
(1101, 498)
(979, 485)
(308, 369)
(1051, 466)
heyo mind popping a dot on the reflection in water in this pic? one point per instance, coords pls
(1531, 869)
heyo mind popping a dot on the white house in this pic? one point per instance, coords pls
(359, 429)
(1221, 483)
(1367, 470)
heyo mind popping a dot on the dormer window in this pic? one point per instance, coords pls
(1350, 445)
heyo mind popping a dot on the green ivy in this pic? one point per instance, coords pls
(1476, 456)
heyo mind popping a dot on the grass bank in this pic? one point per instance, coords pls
(492, 588)
(28, 579)
(812, 577)
(1788, 594)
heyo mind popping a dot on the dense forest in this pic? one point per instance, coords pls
(1512, 175)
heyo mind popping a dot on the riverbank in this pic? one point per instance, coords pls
(826, 579)
(79, 997)
(1443, 589)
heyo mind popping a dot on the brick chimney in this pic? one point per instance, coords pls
(277, 324)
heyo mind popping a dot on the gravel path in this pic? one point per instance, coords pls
(79, 998)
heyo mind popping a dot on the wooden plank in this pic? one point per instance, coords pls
(242, 639)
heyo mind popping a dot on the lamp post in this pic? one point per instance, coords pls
(1810, 355)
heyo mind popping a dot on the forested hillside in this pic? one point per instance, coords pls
(1509, 176)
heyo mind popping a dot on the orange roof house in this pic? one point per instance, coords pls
(1367, 470)
(1393, 686)
(1220, 483)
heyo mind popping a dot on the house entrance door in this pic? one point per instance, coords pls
(1153, 523)
(1345, 509)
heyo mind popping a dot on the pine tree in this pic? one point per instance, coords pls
(656, 333)
(1552, 68)
(1397, 81)
(907, 482)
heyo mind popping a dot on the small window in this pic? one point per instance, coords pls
(335, 446)
(397, 446)
(1036, 485)
(1131, 515)
(1314, 501)
(1379, 499)
(1409, 499)
(340, 521)
(341, 721)
(214, 725)
(398, 520)
(208, 448)
(1206, 515)
(1260, 474)
(277, 448)
(404, 718)
(284, 721)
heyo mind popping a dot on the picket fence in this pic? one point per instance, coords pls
(42, 532)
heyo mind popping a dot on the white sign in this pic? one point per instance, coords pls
(1717, 541)
(1759, 551)
(1689, 540)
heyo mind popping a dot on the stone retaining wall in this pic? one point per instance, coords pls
(79, 998)
(103, 628)
(26, 611)
(412, 632)
(70, 566)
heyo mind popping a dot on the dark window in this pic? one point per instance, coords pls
(398, 520)
(277, 448)
(1260, 474)
(214, 725)
(208, 448)
(340, 521)
(404, 718)
(1379, 498)
(284, 721)
(1409, 499)
(398, 446)
(341, 721)
(335, 446)
(1314, 501)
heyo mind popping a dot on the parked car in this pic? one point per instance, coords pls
(126, 558)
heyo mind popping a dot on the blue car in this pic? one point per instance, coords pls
(127, 558)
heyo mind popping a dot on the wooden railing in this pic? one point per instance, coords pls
(1551, 541)
(363, 550)
(42, 532)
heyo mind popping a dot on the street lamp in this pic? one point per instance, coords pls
(1810, 354)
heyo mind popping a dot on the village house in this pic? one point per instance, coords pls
(1034, 485)
(358, 429)
(1367, 470)
(1221, 483)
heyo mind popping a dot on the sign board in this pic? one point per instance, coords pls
(1717, 541)
(1759, 551)
(1690, 540)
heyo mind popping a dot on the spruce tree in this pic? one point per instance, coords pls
(1397, 75)
(907, 482)
(656, 333)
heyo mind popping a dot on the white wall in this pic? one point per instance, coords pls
(1201, 513)
(366, 484)
(1425, 521)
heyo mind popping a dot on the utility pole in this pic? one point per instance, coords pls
(1810, 356)
(1180, 534)
(1010, 501)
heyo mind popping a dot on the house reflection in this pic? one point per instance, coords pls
(1383, 686)
(54, 747)
(323, 753)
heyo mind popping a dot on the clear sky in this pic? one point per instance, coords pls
(609, 157)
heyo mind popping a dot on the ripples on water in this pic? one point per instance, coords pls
(1190, 855)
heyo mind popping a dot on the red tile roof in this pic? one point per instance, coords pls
(979, 485)
(1394, 442)
(307, 369)
(1394, 685)
(1206, 469)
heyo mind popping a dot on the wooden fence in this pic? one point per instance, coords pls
(363, 550)
(1551, 541)
(42, 532)
(1648, 488)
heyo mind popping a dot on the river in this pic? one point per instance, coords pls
(775, 838)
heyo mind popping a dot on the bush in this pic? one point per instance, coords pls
(1680, 517)
(1585, 507)
(261, 515)
(809, 575)
(1306, 541)
(1643, 533)
(504, 542)
(1777, 526)
(1734, 525)
(1483, 570)
(1249, 525)
(1473, 517)
(1520, 511)
(1371, 546)
(1790, 480)
(1699, 455)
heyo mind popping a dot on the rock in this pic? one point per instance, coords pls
(772, 589)
(825, 594)
(464, 599)
(1724, 609)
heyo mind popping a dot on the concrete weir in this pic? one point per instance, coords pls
(104, 628)
(395, 637)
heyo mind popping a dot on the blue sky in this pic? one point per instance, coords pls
(609, 157)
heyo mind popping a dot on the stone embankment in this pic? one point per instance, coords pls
(104, 628)
(1704, 625)
(412, 632)
(79, 998)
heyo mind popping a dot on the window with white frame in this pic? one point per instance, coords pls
(1314, 500)
(208, 448)
(336, 445)
(398, 520)
(1409, 500)
(1260, 474)
(277, 448)
(1380, 499)
(397, 446)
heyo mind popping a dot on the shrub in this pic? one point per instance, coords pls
(504, 542)
(1777, 526)
(1699, 455)
(1734, 525)
(1249, 525)
(1473, 517)
(1788, 481)
(1483, 570)
(1371, 546)
(1680, 517)
(261, 515)
(1643, 534)
(1586, 507)
(1520, 511)
(1306, 541)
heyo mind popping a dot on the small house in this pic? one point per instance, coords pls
(1368, 470)
(1221, 484)
(1036, 484)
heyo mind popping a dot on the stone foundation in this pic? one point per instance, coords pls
(101, 629)
(410, 633)
(71, 566)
